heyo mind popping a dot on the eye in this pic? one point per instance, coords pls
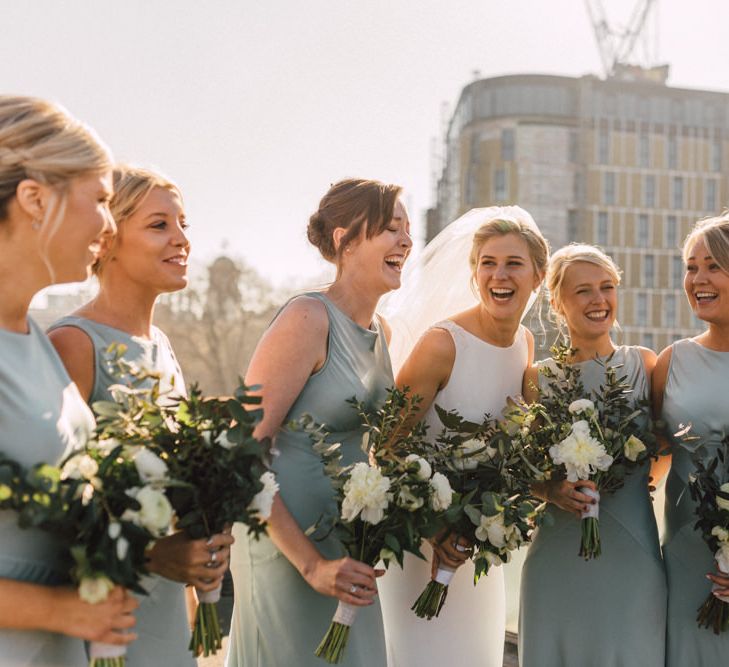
(159, 224)
(713, 267)
(691, 268)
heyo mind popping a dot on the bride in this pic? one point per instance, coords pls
(471, 356)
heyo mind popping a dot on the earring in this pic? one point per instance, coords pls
(36, 224)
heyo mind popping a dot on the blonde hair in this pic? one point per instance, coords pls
(564, 258)
(715, 234)
(132, 185)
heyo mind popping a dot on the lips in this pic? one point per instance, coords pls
(501, 293)
(395, 262)
(597, 315)
(705, 296)
(178, 260)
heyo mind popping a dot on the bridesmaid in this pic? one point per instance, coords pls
(610, 611)
(147, 257)
(690, 387)
(322, 348)
(508, 258)
(55, 185)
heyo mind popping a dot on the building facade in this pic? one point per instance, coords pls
(626, 165)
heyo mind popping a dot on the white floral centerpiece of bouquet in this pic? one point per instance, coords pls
(220, 469)
(587, 437)
(492, 507)
(386, 505)
(106, 504)
(709, 485)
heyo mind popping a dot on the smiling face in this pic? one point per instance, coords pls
(706, 284)
(152, 248)
(588, 300)
(381, 257)
(505, 276)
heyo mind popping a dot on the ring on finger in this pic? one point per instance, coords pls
(353, 589)
(461, 548)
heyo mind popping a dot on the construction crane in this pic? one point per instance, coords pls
(617, 46)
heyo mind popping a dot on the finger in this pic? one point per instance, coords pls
(356, 601)
(219, 540)
(129, 604)
(379, 573)
(587, 483)
(124, 621)
(119, 638)
(718, 579)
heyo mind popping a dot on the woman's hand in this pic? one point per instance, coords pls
(721, 580)
(201, 563)
(104, 621)
(566, 495)
(450, 551)
(346, 579)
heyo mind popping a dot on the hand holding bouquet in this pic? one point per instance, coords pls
(386, 506)
(709, 486)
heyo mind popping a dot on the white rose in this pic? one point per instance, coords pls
(263, 501)
(407, 500)
(720, 533)
(721, 502)
(155, 513)
(114, 530)
(95, 589)
(722, 557)
(81, 466)
(424, 469)
(366, 493)
(492, 529)
(223, 441)
(633, 448)
(442, 493)
(465, 459)
(107, 444)
(151, 468)
(582, 405)
(581, 454)
(122, 548)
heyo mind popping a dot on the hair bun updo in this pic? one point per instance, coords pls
(317, 234)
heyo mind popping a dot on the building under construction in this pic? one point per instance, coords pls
(625, 162)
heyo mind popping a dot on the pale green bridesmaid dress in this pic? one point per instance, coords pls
(697, 392)
(609, 611)
(278, 619)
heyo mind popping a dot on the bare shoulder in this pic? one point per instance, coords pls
(76, 350)
(530, 344)
(302, 313)
(385, 327)
(437, 344)
(661, 366)
(530, 383)
(649, 358)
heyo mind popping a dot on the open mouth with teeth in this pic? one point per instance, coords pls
(598, 315)
(177, 260)
(705, 297)
(395, 262)
(501, 293)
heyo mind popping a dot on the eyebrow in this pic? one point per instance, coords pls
(508, 256)
(693, 258)
(602, 282)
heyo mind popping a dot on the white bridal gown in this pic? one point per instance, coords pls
(471, 625)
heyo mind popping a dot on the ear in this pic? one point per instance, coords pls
(32, 198)
(337, 236)
(538, 278)
(106, 245)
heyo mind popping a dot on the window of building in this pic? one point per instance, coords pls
(649, 191)
(710, 196)
(601, 237)
(678, 192)
(641, 310)
(573, 146)
(672, 152)
(603, 146)
(642, 232)
(671, 231)
(501, 190)
(669, 310)
(644, 150)
(716, 155)
(572, 224)
(507, 144)
(677, 271)
(609, 187)
(648, 340)
(649, 270)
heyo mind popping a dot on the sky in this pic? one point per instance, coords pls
(254, 107)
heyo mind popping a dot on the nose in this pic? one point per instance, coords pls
(406, 240)
(701, 275)
(180, 237)
(501, 271)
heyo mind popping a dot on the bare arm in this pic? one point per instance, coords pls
(294, 347)
(659, 376)
(77, 353)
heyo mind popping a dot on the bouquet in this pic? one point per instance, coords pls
(219, 467)
(588, 436)
(709, 486)
(106, 504)
(386, 506)
(492, 507)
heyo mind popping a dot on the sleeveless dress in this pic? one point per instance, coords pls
(471, 625)
(42, 417)
(162, 626)
(609, 611)
(696, 392)
(278, 619)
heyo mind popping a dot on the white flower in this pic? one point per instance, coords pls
(151, 468)
(493, 530)
(81, 466)
(263, 501)
(633, 448)
(491, 558)
(365, 493)
(155, 513)
(581, 454)
(107, 444)
(442, 493)
(386, 555)
(424, 469)
(223, 441)
(722, 503)
(720, 533)
(722, 557)
(114, 530)
(408, 500)
(122, 547)
(95, 589)
(465, 459)
(582, 405)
